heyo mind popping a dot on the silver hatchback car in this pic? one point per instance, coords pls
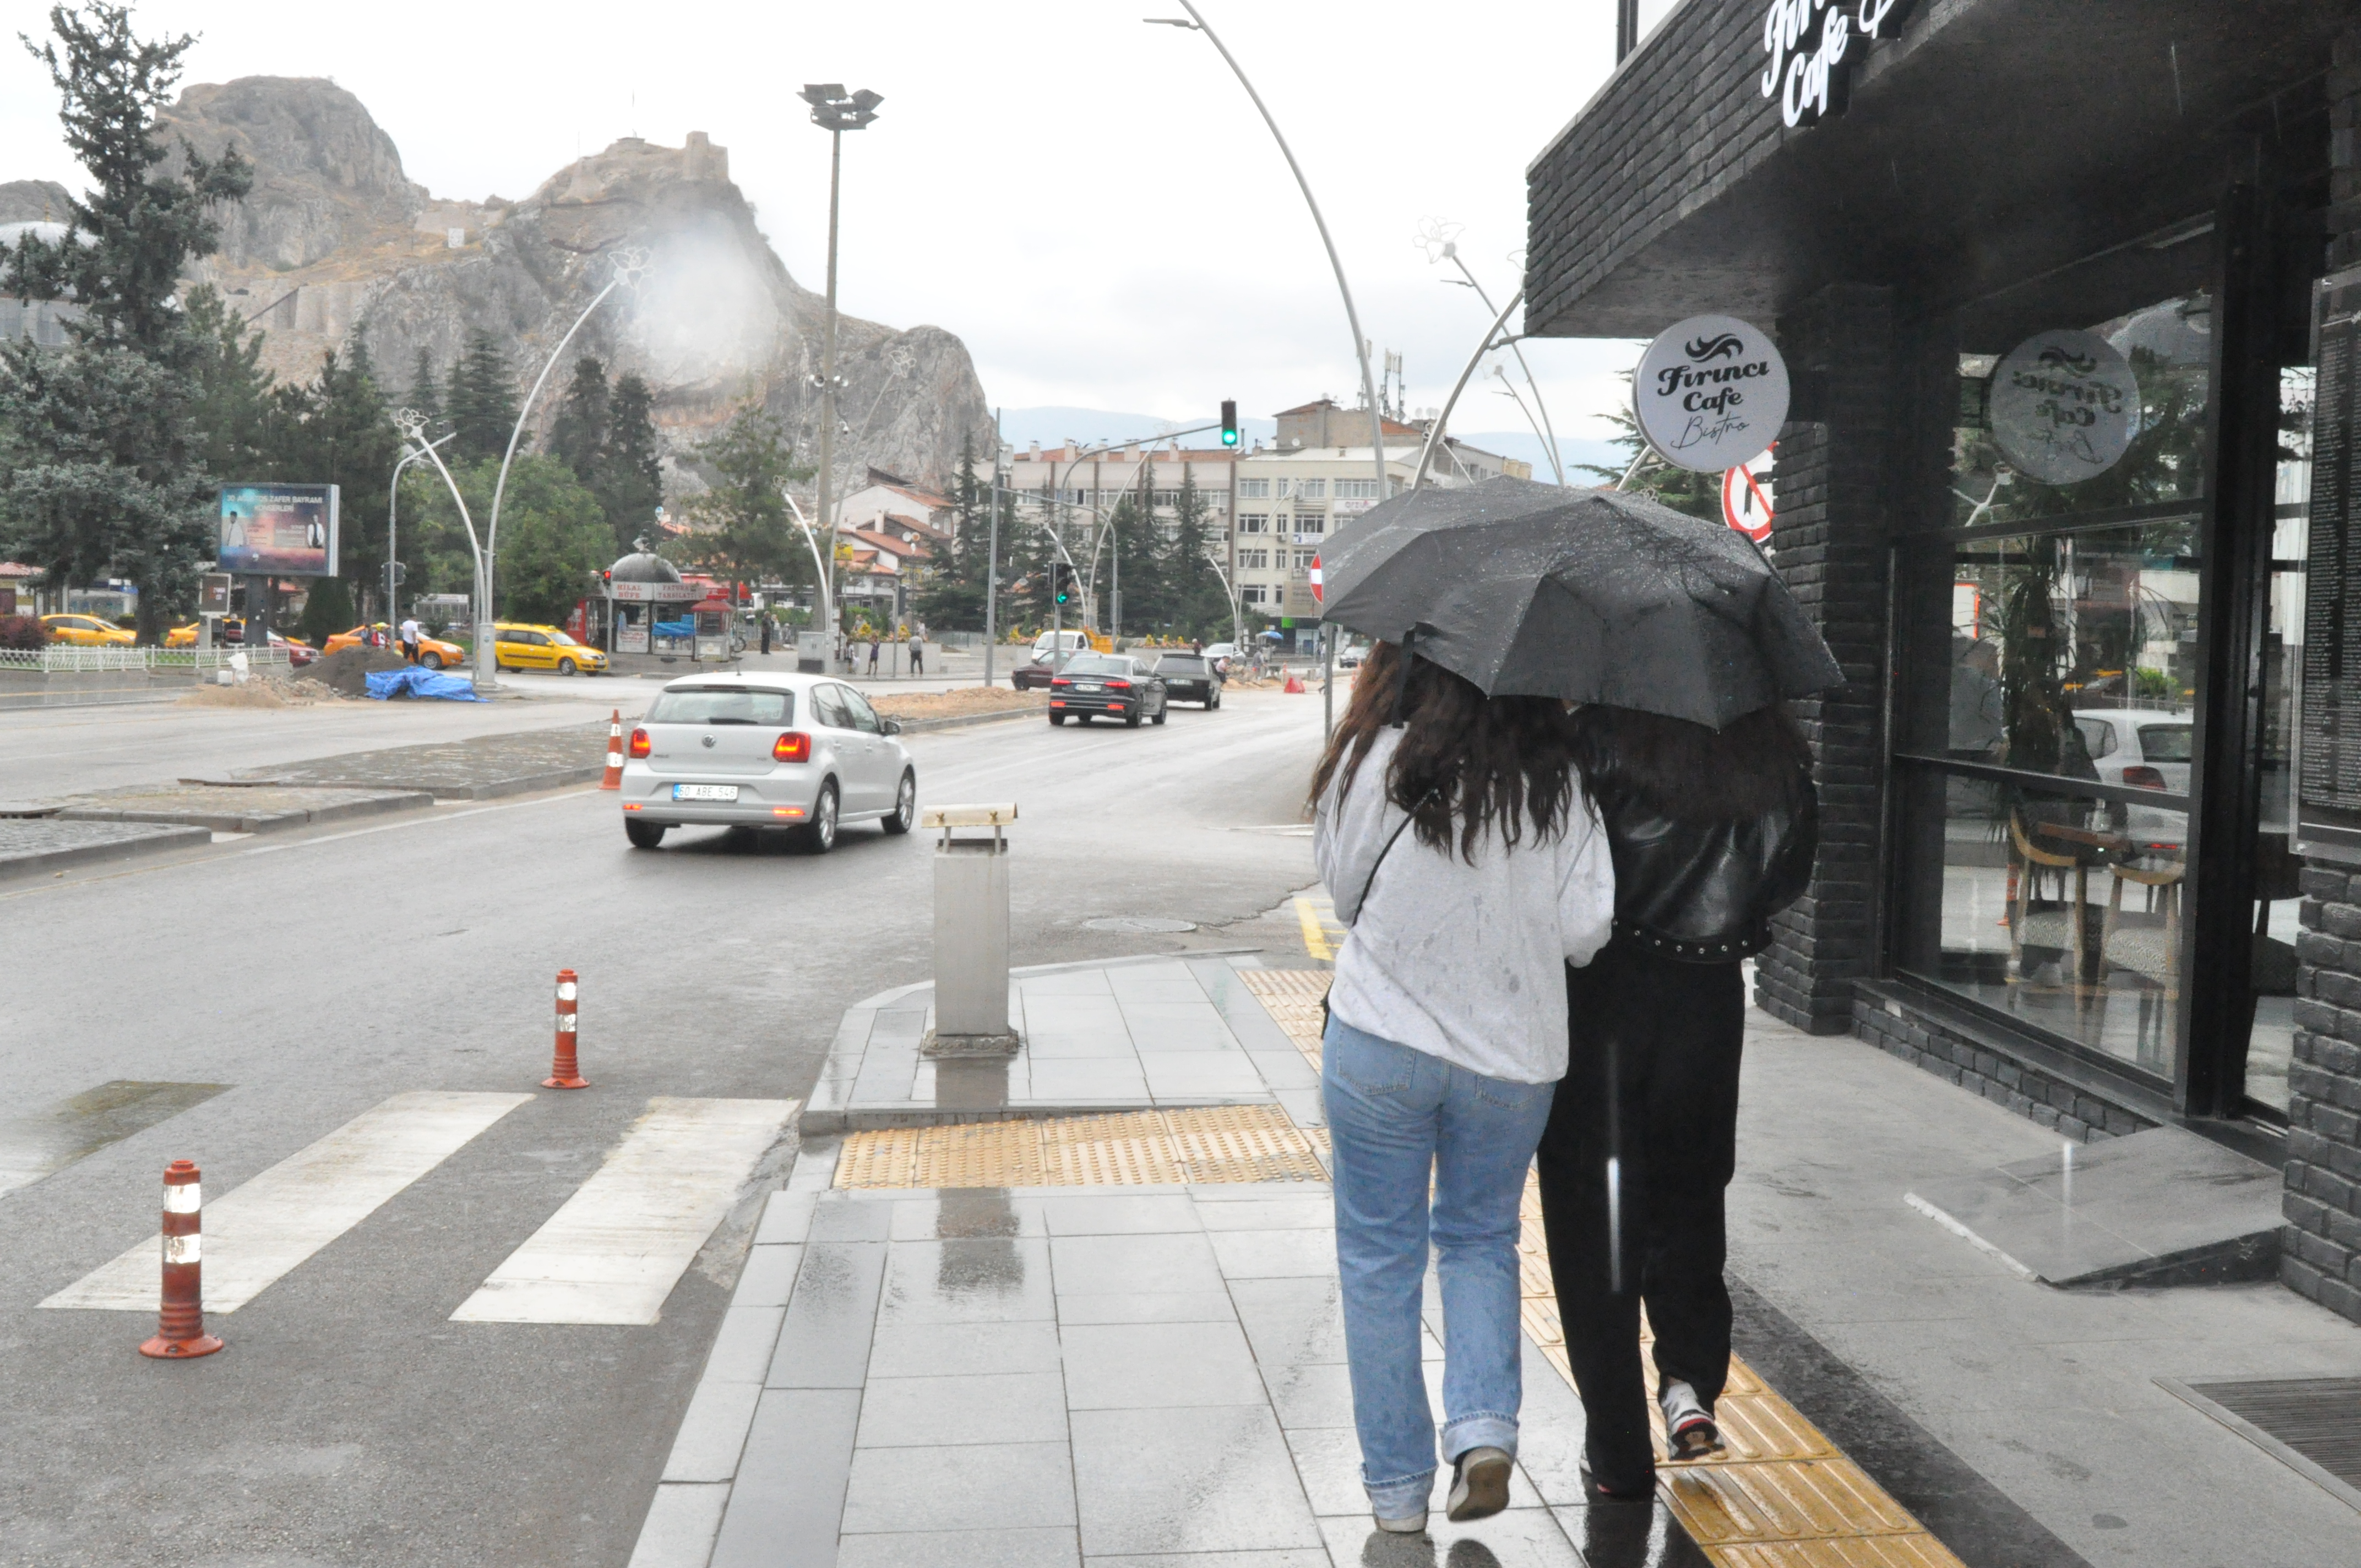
(802, 753)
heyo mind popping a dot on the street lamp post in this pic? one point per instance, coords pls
(392, 534)
(1196, 23)
(411, 425)
(836, 112)
(626, 266)
(1435, 238)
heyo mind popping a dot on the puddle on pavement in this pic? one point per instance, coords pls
(978, 1227)
(39, 1143)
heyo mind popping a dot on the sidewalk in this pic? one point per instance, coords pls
(1082, 1308)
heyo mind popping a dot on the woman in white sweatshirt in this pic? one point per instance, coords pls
(1454, 837)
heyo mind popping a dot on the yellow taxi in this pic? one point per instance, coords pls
(521, 647)
(86, 631)
(433, 652)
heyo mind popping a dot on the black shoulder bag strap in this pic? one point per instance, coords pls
(1369, 882)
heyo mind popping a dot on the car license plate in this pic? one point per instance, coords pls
(1085, 686)
(705, 792)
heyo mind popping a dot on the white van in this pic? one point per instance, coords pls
(1053, 642)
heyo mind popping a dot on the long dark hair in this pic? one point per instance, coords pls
(1689, 772)
(1466, 762)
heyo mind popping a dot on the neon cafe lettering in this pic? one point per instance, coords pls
(1807, 41)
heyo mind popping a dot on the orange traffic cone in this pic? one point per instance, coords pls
(614, 779)
(1294, 687)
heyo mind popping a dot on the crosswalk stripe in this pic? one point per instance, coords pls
(615, 1249)
(266, 1227)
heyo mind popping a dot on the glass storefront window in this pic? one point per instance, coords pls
(2169, 347)
(2060, 910)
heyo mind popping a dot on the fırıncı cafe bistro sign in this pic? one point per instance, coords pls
(1807, 41)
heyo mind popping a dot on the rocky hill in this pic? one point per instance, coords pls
(335, 243)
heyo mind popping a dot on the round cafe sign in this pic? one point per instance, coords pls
(1710, 393)
(2064, 406)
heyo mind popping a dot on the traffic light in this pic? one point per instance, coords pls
(1063, 576)
(1229, 421)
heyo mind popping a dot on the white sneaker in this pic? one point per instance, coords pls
(1689, 1431)
(1480, 1484)
(1409, 1524)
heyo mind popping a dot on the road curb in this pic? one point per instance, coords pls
(164, 839)
(377, 804)
(961, 720)
(523, 783)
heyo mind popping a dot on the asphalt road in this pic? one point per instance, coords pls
(350, 1423)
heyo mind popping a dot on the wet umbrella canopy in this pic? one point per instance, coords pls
(1530, 591)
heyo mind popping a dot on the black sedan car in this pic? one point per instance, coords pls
(1191, 677)
(1113, 685)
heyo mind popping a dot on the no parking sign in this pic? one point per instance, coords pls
(1746, 497)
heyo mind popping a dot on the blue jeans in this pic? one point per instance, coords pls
(1395, 1114)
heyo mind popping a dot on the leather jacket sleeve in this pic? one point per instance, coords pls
(1704, 892)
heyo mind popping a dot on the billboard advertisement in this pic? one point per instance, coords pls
(280, 530)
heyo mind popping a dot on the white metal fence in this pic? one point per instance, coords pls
(66, 659)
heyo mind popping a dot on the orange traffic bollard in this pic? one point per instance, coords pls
(565, 1070)
(180, 1323)
(614, 779)
(1293, 688)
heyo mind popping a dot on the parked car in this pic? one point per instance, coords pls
(1076, 641)
(1033, 675)
(2143, 748)
(433, 652)
(1114, 683)
(86, 631)
(1222, 656)
(801, 752)
(1191, 677)
(1350, 655)
(517, 647)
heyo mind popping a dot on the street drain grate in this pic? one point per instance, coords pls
(1138, 923)
(2310, 1424)
(1131, 1148)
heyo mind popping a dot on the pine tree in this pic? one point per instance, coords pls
(577, 436)
(336, 431)
(1138, 545)
(630, 482)
(1200, 605)
(952, 596)
(232, 410)
(1698, 495)
(482, 402)
(741, 524)
(425, 394)
(100, 473)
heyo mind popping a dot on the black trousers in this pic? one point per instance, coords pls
(1651, 1085)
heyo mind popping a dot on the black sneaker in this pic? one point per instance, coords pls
(1480, 1484)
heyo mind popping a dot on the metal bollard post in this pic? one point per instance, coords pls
(970, 935)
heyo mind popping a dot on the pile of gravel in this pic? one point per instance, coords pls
(344, 671)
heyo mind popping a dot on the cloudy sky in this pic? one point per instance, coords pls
(1091, 202)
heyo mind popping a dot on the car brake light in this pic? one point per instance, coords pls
(1118, 685)
(2145, 778)
(794, 746)
(1059, 681)
(640, 745)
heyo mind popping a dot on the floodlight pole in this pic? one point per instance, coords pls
(393, 532)
(820, 563)
(1451, 254)
(836, 112)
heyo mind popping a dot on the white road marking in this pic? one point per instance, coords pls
(614, 1251)
(269, 1227)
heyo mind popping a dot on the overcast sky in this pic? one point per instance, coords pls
(1092, 203)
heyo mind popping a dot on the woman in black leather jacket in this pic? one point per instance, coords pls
(1711, 833)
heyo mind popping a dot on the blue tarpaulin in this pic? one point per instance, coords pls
(417, 681)
(685, 626)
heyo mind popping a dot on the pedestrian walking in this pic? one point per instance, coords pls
(873, 655)
(1469, 870)
(1712, 832)
(411, 635)
(766, 636)
(917, 654)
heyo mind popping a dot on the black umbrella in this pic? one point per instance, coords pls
(1530, 591)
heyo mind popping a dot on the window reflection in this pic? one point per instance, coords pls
(2170, 347)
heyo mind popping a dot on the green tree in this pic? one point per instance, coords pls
(100, 472)
(952, 595)
(425, 393)
(482, 402)
(577, 435)
(232, 409)
(1200, 603)
(630, 482)
(740, 526)
(327, 609)
(1684, 490)
(552, 536)
(338, 430)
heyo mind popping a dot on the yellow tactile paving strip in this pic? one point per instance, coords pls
(1781, 1495)
(1131, 1148)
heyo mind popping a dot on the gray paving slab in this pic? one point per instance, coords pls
(1046, 1547)
(943, 1349)
(680, 1525)
(825, 1341)
(769, 1275)
(956, 1213)
(1117, 1214)
(483, 768)
(968, 1281)
(1273, 1255)
(1159, 1366)
(219, 809)
(37, 846)
(1293, 1321)
(1148, 1306)
(1287, 1559)
(1217, 1478)
(959, 1488)
(1520, 1538)
(1101, 1265)
(789, 1501)
(966, 1407)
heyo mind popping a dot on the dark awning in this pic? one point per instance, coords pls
(1991, 142)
